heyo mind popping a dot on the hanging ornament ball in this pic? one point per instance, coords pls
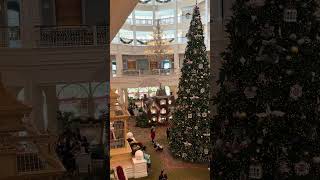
(293, 36)
(301, 41)
(242, 115)
(184, 155)
(296, 91)
(242, 60)
(202, 90)
(206, 151)
(294, 49)
(200, 66)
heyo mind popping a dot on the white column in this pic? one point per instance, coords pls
(176, 59)
(34, 98)
(176, 23)
(134, 28)
(119, 64)
(30, 17)
(54, 126)
(126, 98)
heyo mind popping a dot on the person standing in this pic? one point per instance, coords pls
(168, 132)
(153, 133)
(161, 175)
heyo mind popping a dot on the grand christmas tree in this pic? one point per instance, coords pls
(267, 123)
(190, 138)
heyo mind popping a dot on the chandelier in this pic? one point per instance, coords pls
(158, 48)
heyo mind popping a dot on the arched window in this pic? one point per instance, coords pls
(73, 98)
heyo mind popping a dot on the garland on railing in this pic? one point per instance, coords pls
(163, 1)
(126, 41)
(144, 1)
(171, 40)
(146, 41)
(142, 42)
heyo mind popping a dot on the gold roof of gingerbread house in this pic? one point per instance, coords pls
(20, 140)
(11, 111)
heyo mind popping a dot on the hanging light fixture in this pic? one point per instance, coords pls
(158, 48)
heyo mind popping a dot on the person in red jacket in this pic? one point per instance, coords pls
(153, 133)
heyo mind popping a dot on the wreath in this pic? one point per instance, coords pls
(144, 1)
(163, 1)
(142, 42)
(126, 41)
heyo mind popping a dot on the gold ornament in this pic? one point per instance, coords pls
(243, 115)
(294, 49)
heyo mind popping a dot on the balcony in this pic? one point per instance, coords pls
(145, 22)
(71, 36)
(153, 72)
(10, 37)
(55, 36)
(167, 21)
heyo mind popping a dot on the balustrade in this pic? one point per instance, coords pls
(71, 36)
(9, 36)
(157, 72)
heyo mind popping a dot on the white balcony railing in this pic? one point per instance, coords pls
(10, 36)
(71, 36)
(30, 162)
(158, 72)
(167, 21)
(147, 22)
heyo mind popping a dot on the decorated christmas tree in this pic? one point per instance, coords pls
(267, 121)
(190, 138)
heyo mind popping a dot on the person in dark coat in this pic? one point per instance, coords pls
(161, 175)
(168, 133)
(153, 133)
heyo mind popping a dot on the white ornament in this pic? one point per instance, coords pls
(255, 171)
(204, 114)
(184, 155)
(189, 116)
(202, 90)
(206, 151)
(242, 60)
(290, 15)
(196, 127)
(296, 91)
(302, 168)
(301, 41)
(293, 36)
(200, 66)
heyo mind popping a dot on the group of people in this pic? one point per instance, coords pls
(68, 146)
